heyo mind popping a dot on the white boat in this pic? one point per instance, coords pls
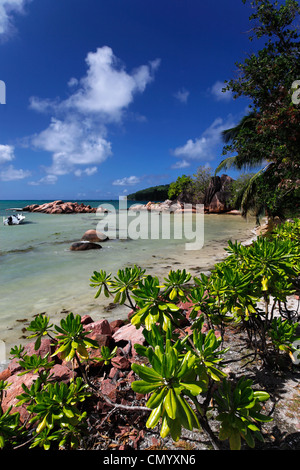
(13, 219)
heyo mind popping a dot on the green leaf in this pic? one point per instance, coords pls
(261, 395)
(165, 428)
(194, 388)
(146, 373)
(42, 425)
(171, 404)
(187, 416)
(235, 440)
(68, 412)
(141, 386)
(154, 417)
(156, 398)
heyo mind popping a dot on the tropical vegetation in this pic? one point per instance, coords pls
(268, 137)
(181, 369)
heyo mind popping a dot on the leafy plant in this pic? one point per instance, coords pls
(170, 379)
(126, 281)
(9, 422)
(175, 283)
(208, 353)
(152, 308)
(106, 355)
(9, 427)
(40, 326)
(73, 339)
(55, 409)
(34, 363)
(101, 280)
(240, 412)
(283, 334)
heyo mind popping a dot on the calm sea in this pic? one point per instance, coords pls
(39, 273)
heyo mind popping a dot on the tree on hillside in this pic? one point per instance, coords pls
(180, 188)
(191, 189)
(269, 136)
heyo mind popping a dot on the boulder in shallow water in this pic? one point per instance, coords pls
(84, 245)
(94, 236)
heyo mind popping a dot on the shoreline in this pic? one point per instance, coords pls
(157, 264)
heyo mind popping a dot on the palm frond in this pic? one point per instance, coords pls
(248, 200)
(248, 122)
(225, 164)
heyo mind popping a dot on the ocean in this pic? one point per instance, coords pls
(40, 274)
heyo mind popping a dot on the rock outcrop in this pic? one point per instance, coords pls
(168, 206)
(89, 241)
(94, 236)
(217, 195)
(216, 200)
(84, 245)
(60, 207)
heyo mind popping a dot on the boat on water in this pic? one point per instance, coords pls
(14, 219)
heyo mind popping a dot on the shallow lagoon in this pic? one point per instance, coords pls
(39, 273)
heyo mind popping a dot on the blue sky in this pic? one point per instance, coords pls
(106, 97)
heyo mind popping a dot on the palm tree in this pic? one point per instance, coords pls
(246, 200)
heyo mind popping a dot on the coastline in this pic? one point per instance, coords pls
(156, 263)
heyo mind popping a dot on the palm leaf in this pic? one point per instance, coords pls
(248, 200)
(247, 122)
(225, 164)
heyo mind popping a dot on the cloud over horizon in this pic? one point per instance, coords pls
(129, 180)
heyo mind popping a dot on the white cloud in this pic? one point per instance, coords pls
(77, 133)
(182, 95)
(87, 171)
(6, 153)
(203, 148)
(218, 94)
(48, 179)
(180, 164)
(10, 174)
(106, 90)
(73, 82)
(72, 143)
(7, 9)
(130, 180)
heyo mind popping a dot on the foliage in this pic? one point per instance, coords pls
(9, 422)
(283, 334)
(239, 411)
(151, 306)
(106, 355)
(191, 189)
(270, 132)
(237, 188)
(56, 412)
(155, 194)
(180, 187)
(41, 327)
(170, 378)
(73, 340)
(181, 371)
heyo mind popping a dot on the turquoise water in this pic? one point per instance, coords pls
(39, 273)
